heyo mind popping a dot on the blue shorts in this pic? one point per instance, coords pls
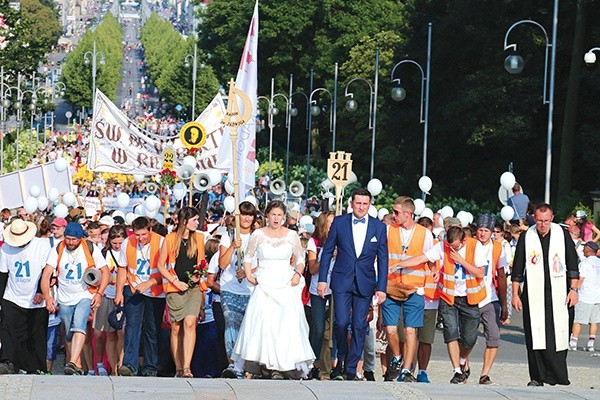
(414, 310)
(75, 318)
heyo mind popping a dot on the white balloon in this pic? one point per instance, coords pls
(34, 191)
(251, 199)
(427, 212)
(138, 209)
(42, 203)
(507, 213)
(179, 191)
(256, 165)
(469, 217)
(53, 194)
(214, 175)
(382, 213)
(440, 221)
(419, 206)
(190, 160)
(229, 186)
(463, 217)
(425, 184)
(138, 177)
(446, 211)
(507, 180)
(151, 214)
(61, 211)
(123, 200)
(304, 220)
(229, 204)
(152, 203)
(374, 186)
(118, 213)
(69, 199)
(61, 164)
(372, 211)
(129, 217)
(30, 204)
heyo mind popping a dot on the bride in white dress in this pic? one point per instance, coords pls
(274, 332)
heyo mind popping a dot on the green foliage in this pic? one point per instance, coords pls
(166, 51)
(460, 204)
(27, 149)
(77, 75)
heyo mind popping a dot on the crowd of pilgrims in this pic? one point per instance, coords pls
(176, 300)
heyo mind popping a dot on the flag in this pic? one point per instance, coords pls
(247, 81)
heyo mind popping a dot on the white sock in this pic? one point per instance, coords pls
(458, 370)
(422, 370)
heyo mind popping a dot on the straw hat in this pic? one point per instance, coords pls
(19, 233)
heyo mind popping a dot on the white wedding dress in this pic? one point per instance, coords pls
(274, 332)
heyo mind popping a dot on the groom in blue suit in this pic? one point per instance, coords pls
(359, 240)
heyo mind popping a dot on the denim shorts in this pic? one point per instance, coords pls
(75, 318)
(461, 321)
(413, 309)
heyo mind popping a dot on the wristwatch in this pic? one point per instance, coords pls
(576, 290)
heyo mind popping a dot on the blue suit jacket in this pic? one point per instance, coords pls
(347, 266)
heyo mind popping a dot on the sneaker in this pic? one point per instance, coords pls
(125, 370)
(572, 347)
(485, 380)
(369, 376)
(336, 374)
(7, 367)
(151, 374)
(422, 377)
(590, 347)
(406, 376)
(458, 378)
(101, 370)
(91, 372)
(393, 371)
(466, 372)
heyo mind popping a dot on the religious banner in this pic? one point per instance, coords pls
(119, 145)
(92, 204)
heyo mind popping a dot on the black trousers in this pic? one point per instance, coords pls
(23, 334)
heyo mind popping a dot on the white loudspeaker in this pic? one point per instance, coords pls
(326, 185)
(202, 181)
(151, 187)
(185, 172)
(277, 187)
(296, 189)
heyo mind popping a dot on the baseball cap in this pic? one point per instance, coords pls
(116, 318)
(59, 222)
(591, 245)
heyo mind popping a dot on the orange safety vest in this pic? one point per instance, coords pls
(168, 287)
(431, 292)
(131, 254)
(413, 276)
(475, 286)
(87, 252)
(496, 253)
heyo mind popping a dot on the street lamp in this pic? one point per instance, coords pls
(590, 57)
(398, 94)
(352, 105)
(52, 91)
(514, 64)
(294, 113)
(17, 105)
(92, 56)
(271, 112)
(3, 86)
(194, 65)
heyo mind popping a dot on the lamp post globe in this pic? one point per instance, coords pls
(514, 64)
(351, 105)
(589, 57)
(293, 112)
(398, 93)
(315, 110)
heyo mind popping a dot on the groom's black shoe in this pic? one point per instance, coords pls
(337, 374)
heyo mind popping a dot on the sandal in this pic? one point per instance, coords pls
(179, 373)
(187, 373)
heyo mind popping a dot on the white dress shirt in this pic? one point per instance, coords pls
(359, 233)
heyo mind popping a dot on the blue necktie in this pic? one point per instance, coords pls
(361, 220)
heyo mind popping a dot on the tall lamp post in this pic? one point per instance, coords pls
(352, 105)
(53, 91)
(194, 65)
(17, 105)
(92, 57)
(399, 94)
(271, 112)
(3, 86)
(514, 64)
(294, 113)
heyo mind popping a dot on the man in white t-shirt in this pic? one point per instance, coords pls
(235, 291)
(493, 308)
(587, 310)
(69, 261)
(140, 290)
(24, 316)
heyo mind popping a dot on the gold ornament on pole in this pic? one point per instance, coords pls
(233, 120)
